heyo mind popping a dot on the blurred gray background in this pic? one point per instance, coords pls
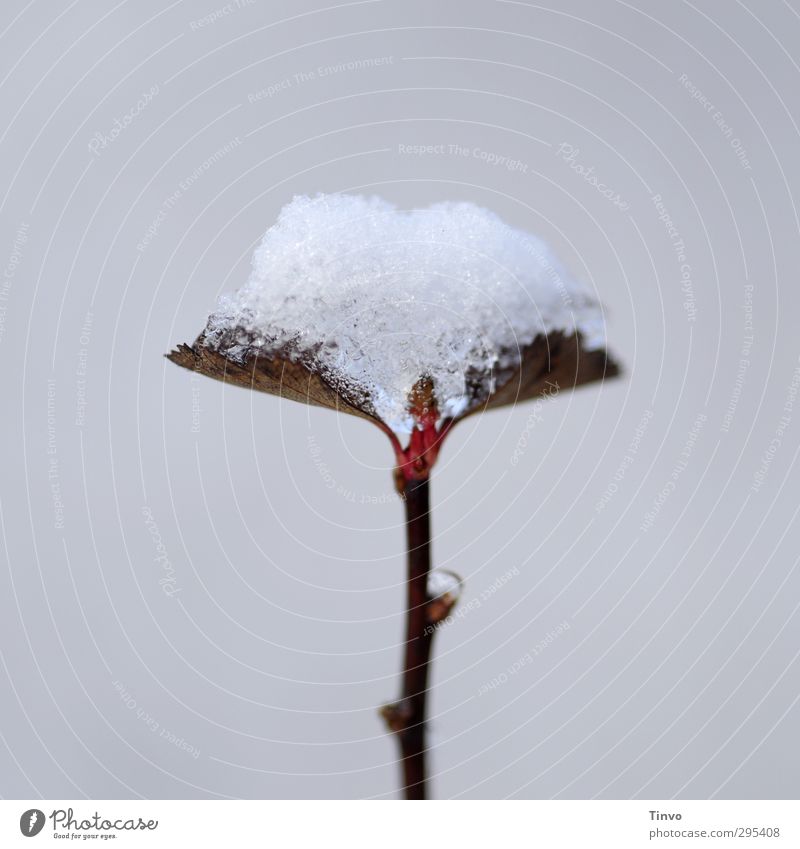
(201, 588)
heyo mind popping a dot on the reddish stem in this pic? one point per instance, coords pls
(407, 717)
(416, 460)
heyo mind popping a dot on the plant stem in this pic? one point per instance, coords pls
(418, 637)
(407, 716)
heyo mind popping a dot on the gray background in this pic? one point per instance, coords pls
(249, 660)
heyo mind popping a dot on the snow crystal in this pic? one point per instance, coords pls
(377, 297)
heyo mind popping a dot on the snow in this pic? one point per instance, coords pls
(442, 582)
(377, 297)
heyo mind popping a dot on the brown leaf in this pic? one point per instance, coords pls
(556, 360)
(274, 374)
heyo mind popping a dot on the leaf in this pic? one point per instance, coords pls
(273, 374)
(557, 359)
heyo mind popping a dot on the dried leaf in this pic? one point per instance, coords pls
(555, 360)
(272, 374)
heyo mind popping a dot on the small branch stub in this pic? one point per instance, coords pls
(444, 590)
